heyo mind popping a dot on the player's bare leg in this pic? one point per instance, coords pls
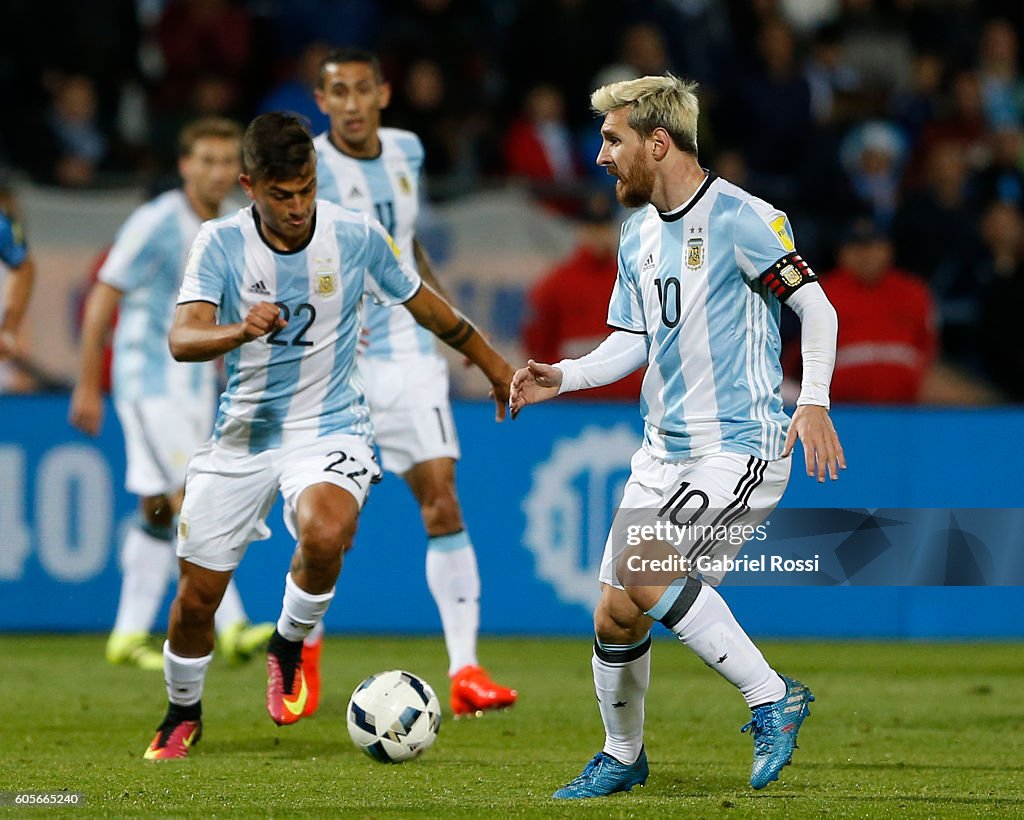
(454, 582)
(187, 654)
(326, 516)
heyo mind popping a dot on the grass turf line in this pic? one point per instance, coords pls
(908, 730)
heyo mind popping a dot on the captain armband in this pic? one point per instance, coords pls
(787, 275)
(459, 334)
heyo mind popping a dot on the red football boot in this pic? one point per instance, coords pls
(473, 692)
(311, 671)
(173, 739)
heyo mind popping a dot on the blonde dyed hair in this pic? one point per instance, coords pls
(654, 102)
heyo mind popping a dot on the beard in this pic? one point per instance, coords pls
(635, 187)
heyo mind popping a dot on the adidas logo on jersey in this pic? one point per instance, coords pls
(648, 263)
(355, 193)
(259, 288)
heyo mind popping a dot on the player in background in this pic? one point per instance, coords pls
(20, 275)
(703, 270)
(165, 407)
(276, 289)
(377, 170)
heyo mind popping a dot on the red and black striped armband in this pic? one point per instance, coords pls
(787, 274)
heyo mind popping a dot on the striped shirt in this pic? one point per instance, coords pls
(145, 263)
(299, 381)
(386, 187)
(705, 285)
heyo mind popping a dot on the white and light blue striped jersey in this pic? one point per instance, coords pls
(388, 189)
(704, 285)
(299, 381)
(146, 263)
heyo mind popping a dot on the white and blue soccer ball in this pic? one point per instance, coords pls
(393, 716)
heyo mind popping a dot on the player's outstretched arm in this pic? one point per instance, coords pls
(437, 316)
(533, 384)
(196, 337)
(822, 450)
(17, 290)
(86, 413)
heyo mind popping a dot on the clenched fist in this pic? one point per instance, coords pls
(263, 318)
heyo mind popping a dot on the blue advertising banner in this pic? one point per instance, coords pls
(538, 497)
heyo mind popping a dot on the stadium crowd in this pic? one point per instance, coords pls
(907, 113)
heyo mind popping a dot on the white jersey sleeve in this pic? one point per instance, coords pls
(206, 269)
(765, 249)
(626, 307)
(389, 281)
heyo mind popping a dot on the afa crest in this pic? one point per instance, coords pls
(790, 275)
(694, 253)
(404, 185)
(326, 284)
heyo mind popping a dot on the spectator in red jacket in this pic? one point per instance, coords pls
(887, 335)
(568, 307)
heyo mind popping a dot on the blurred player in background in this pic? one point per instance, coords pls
(165, 407)
(703, 269)
(377, 170)
(19, 277)
(276, 289)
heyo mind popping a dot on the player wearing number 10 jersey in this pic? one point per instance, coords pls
(275, 289)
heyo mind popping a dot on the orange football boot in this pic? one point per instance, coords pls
(311, 672)
(287, 693)
(473, 692)
(173, 739)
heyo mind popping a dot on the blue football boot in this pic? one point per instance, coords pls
(605, 775)
(775, 727)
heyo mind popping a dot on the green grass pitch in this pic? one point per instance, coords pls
(899, 730)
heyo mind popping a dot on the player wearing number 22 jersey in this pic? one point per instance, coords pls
(276, 290)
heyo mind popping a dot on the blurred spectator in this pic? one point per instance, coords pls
(568, 307)
(295, 93)
(1002, 87)
(876, 42)
(770, 115)
(832, 80)
(641, 53)
(936, 223)
(70, 147)
(963, 122)
(1003, 179)
(967, 291)
(288, 27)
(917, 104)
(199, 39)
(420, 105)
(539, 148)
(1001, 347)
(567, 42)
(872, 155)
(887, 336)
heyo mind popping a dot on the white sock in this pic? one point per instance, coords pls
(231, 610)
(621, 677)
(315, 635)
(708, 627)
(300, 610)
(184, 677)
(454, 581)
(147, 562)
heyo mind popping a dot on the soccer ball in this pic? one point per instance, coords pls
(393, 716)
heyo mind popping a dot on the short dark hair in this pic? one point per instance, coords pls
(351, 55)
(217, 127)
(277, 145)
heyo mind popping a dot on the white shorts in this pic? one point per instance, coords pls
(160, 435)
(410, 411)
(228, 493)
(723, 493)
